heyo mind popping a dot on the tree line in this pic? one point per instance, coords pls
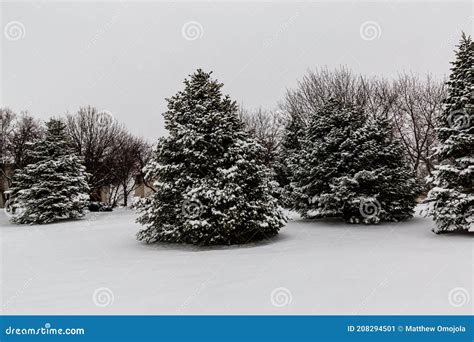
(411, 102)
(340, 145)
(113, 157)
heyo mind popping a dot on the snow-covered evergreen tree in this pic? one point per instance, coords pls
(451, 201)
(53, 185)
(288, 151)
(210, 186)
(350, 166)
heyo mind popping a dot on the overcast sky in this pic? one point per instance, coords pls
(128, 57)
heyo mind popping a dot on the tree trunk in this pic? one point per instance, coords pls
(125, 195)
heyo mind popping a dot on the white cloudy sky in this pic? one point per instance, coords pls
(126, 57)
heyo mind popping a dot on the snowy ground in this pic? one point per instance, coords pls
(311, 268)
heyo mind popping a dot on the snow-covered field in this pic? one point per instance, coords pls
(96, 266)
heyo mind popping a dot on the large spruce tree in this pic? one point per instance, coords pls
(451, 201)
(210, 185)
(53, 185)
(351, 166)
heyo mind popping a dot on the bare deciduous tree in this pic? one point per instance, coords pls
(96, 138)
(266, 127)
(112, 156)
(417, 103)
(7, 119)
(127, 167)
(16, 133)
(317, 87)
(411, 103)
(27, 129)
